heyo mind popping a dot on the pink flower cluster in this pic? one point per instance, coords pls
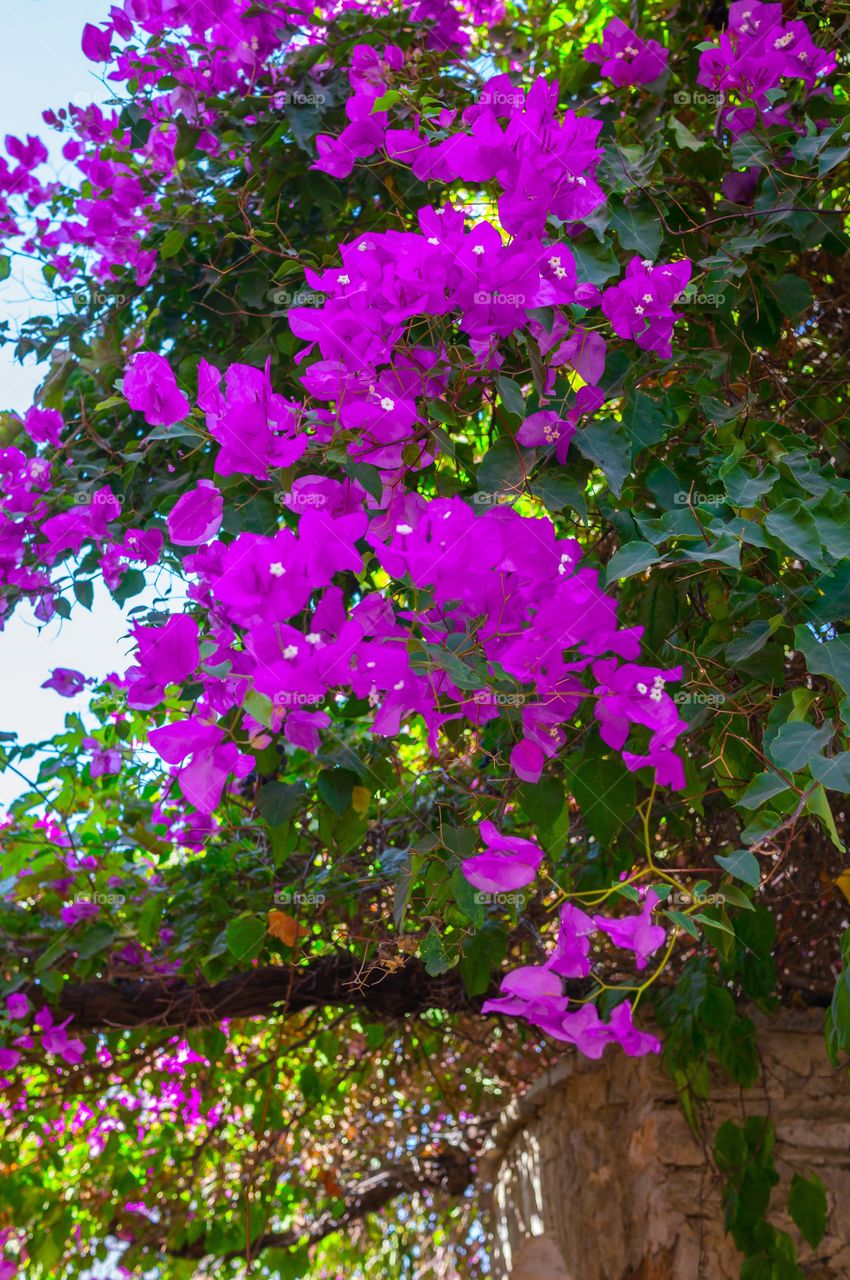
(544, 159)
(54, 1038)
(625, 58)
(535, 992)
(206, 51)
(278, 625)
(466, 275)
(757, 52)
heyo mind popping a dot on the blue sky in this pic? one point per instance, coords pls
(42, 65)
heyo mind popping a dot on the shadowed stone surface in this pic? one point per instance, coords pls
(599, 1158)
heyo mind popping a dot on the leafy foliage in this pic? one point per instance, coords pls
(279, 995)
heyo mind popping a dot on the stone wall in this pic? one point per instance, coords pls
(595, 1175)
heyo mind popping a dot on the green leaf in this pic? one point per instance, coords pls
(335, 787)
(830, 658)
(288, 1264)
(172, 242)
(792, 524)
(84, 591)
(807, 1206)
(684, 922)
(714, 922)
(793, 294)
(502, 469)
(405, 881)
(367, 476)
(310, 1083)
(434, 953)
(764, 787)
(753, 638)
(605, 792)
(832, 514)
(797, 743)
(726, 550)
(245, 936)
(631, 559)
(467, 898)
(645, 421)
(132, 583)
(481, 954)
(258, 705)
(832, 772)
(604, 444)
(542, 801)
(741, 864)
(594, 266)
(638, 230)
(455, 667)
(94, 940)
(731, 894)
(511, 396)
(745, 489)
(386, 100)
(278, 802)
(557, 492)
(685, 140)
(56, 949)
(817, 803)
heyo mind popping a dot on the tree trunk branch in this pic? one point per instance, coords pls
(339, 979)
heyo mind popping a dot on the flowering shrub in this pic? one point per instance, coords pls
(464, 435)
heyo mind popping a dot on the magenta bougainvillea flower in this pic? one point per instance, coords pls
(55, 1039)
(197, 515)
(66, 682)
(44, 426)
(17, 1005)
(211, 760)
(96, 44)
(151, 388)
(627, 59)
(166, 655)
(756, 53)
(572, 948)
(535, 994)
(636, 933)
(640, 307)
(73, 912)
(509, 863)
(103, 761)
